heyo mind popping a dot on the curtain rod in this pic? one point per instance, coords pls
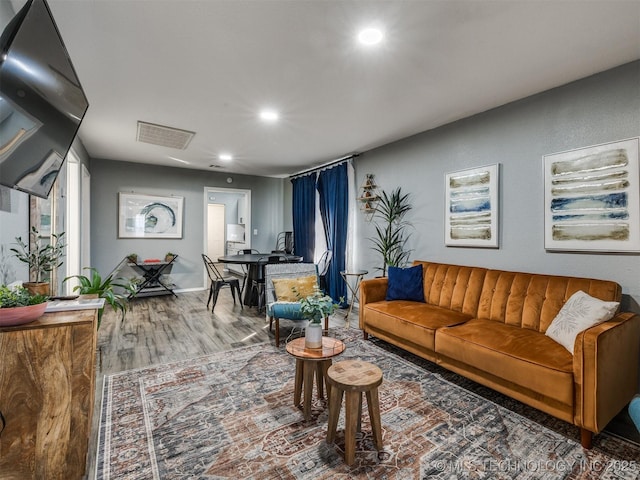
(325, 165)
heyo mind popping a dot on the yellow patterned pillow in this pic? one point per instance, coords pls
(304, 286)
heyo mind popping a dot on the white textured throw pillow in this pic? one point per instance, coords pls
(579, 313)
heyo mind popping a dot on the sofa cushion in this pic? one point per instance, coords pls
(579, 313)
(414, 321)
(532, 300)
(288, 310)
(521, 356)
(452, 286)
(405, 284)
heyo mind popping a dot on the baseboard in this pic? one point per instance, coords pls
(186, 290)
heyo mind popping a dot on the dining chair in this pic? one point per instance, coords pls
(323, 268)
(218, 281)
(258, 283)
(284, 242)
(287, 308)
(244, 267)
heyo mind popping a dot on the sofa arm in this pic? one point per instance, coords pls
(605, 368)
(371, 290)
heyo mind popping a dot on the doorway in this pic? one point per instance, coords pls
(229, 229)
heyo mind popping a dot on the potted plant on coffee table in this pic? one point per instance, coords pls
(18, 306)
(41, 256)
(315, 308)
(94, 284)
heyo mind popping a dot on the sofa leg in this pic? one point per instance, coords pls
(586, 438)
(365, 335)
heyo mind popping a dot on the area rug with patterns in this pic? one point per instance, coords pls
(231, 415)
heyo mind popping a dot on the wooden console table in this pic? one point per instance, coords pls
(47, 389)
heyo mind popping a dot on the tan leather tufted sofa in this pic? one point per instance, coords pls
(489, 326)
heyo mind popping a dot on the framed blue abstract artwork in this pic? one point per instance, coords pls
(149, 216)
(592, 198)
(472, 207)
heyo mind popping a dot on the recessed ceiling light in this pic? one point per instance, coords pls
(370, 36)
(225, 157)
(269, 115)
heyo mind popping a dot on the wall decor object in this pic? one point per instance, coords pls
(368, 198)
(592, 198)
(149, 216)
(471, 207)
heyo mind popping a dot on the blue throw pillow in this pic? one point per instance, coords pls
(405, 284)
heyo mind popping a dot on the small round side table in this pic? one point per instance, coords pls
(352, 279)
(310, 361)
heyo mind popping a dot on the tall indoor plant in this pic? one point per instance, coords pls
(390, 224)
(41, 256)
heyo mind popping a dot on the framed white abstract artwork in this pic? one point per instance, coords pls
(472, 207)
(149, 216)
(592, 198)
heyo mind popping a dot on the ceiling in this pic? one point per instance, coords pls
(210, 67)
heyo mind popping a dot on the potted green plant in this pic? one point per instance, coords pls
(133, 257)
(94, 284)
(169, 257)
(42, 258)
(18, 306)
(391, 237)
(315, 308)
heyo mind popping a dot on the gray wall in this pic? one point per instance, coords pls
(598, 109)
(110, 177)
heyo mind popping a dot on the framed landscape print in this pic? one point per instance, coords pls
(592, 198)
(471, 207)
(149, 216)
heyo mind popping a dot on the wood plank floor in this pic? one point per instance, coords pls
(167, 328)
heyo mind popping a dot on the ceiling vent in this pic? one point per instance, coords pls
(164, 136)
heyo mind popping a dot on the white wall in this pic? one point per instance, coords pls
(598, 109)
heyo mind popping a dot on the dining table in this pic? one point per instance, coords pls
(255, 263)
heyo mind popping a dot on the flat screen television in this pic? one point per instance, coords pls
(41, 101)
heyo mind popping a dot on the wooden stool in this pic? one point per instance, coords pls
(353, 377)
